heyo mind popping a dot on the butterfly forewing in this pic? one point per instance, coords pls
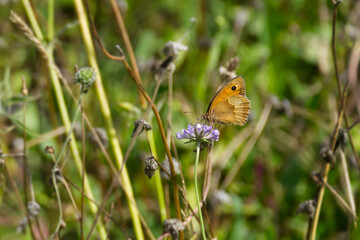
(234, 87)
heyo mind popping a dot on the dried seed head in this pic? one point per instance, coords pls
(101, 134)
(150, 166)
(317, 178)
(172, 49)
(241, 18)
(165, 68)
(327, 155)
(58, 175)
(22, 226)
(341, 139)
(62, 224)
(18, 145)
(24, 89)
(308, 207)
(140, 126)
(283, 106)
(227, 73)
(173, 226)
(166, 165)
(85, 77)
(219, 197)
(50, 150)
(233, 63)
(33, 208)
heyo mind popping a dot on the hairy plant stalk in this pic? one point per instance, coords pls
(208, 171)
(197, 191)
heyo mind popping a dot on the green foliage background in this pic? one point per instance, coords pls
(284, 49)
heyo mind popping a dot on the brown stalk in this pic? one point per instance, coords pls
(340, 199)
(128, 44)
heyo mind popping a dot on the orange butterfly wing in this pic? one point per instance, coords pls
(230, 105)
(233, 110)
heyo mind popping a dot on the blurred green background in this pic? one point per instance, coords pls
(284, 48)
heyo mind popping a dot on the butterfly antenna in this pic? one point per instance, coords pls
(193, 22)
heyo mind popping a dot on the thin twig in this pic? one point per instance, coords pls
(78, 214)
(128, 45)
(109, 224)
(347, 181)
(340, 199)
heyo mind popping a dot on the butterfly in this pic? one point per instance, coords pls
(230, 105)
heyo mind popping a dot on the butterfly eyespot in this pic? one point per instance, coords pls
(233, 88)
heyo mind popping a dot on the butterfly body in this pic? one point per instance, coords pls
(230, 105)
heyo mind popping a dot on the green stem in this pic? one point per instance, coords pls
(197, 191)
(33, 21)
(50, 32)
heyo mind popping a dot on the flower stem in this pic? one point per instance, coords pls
(197, 191)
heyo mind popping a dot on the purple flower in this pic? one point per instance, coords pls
(199, 132)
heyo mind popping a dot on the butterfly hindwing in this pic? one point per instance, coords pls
(233, 110)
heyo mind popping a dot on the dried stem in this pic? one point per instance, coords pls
(347, 181)
(340, 199)
(128, 45)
